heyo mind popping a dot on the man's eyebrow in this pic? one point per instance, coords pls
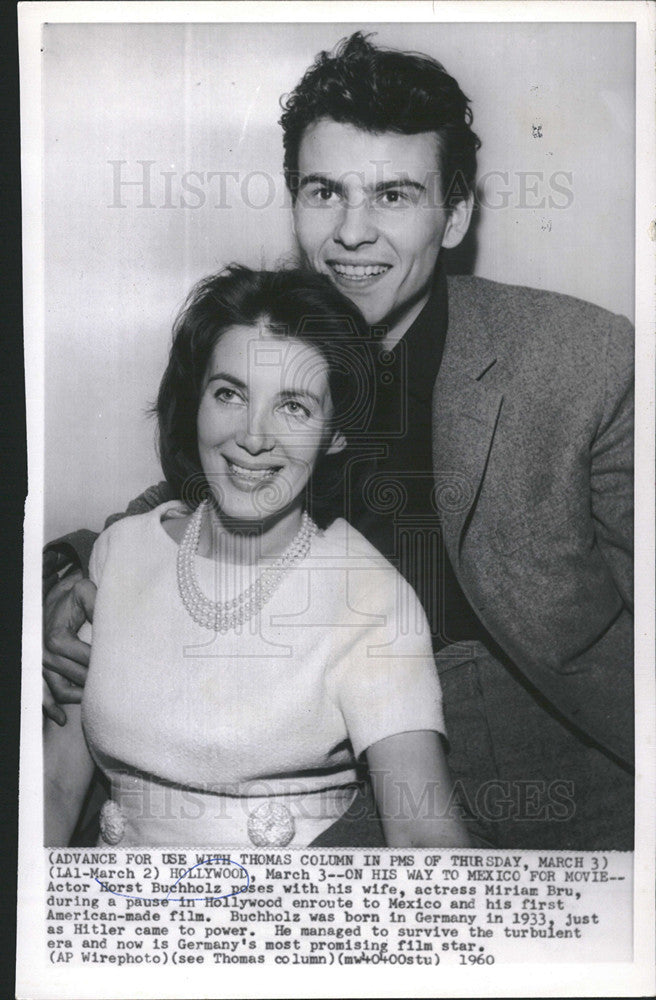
(334, 185)
(338, 185)
(227, 377)
(401, 182)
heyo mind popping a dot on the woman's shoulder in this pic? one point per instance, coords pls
(133, 528)
(369, 570)
(136, 539)
(340, 538)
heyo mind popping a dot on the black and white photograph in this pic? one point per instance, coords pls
(331, 330)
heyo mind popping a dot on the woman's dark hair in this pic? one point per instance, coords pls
(291, 303)
(385, 90)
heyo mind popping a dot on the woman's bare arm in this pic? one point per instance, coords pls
(413, 791)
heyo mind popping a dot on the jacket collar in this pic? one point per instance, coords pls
(465, 416)
(469, 345)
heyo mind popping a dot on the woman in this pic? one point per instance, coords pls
(243, 660)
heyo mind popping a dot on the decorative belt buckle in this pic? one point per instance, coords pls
(271, 825)
(112, 823)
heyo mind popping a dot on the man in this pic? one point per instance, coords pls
(504, 424)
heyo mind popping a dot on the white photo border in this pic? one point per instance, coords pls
(35, 979)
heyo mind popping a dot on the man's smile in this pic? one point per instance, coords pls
(357, 273)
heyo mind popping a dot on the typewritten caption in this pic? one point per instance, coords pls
(281, 908)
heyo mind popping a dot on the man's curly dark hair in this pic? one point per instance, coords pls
(384, 90)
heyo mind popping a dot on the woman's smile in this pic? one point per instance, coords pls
(250, 477)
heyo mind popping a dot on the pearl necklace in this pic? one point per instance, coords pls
(220, 616)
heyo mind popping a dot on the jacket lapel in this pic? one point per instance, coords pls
(465, 415)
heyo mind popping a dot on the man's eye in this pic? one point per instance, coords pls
(393, 197)
(323, 194)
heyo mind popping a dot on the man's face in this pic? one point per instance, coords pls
(369, 215)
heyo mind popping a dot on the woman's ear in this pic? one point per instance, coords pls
(337, 444)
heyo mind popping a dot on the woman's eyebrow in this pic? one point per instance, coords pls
(227, 377)
(295, 393)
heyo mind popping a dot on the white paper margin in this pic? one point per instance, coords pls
(626, 979)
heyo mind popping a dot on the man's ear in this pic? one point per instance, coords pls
(337, 444)
(458, 223)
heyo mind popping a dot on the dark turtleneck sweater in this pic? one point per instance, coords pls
(392, 504)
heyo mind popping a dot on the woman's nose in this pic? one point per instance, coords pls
(256, 434)
(356, 225)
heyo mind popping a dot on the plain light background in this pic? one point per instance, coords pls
(154, 103)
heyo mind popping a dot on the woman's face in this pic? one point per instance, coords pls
(263, 421)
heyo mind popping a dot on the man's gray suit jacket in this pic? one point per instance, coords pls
(533, 458)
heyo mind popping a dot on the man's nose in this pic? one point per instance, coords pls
(356, 225)
(256, 434)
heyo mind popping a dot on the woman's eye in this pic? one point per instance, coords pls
(226, 395)
(295, 409)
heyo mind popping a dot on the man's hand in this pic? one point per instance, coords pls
(67, 606)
